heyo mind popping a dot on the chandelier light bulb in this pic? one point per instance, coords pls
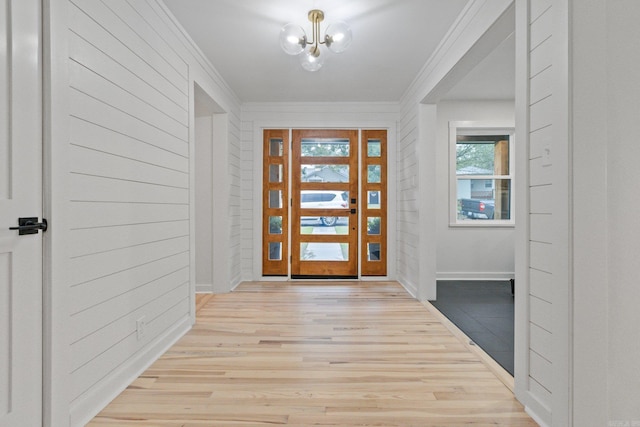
(338, 37)
(311, 59)
(293, 39)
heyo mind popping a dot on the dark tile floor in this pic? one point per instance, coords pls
(483, 310)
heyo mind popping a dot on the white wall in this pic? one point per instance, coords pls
(408, 204)
(120, 140)
(479, 29)
(605, 104)
(469, 252)
(204, 202)
(542, 369)
(623, 175)
(258, 116)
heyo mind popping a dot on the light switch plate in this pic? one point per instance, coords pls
(546, 156)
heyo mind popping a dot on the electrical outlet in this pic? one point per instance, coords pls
(141, 326)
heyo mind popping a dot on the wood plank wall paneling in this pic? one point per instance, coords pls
(172, 36)
(129, 166)
(247, 200)
(407, 207)
(541, 117)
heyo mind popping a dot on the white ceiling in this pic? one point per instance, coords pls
(493, 78)
(392, 40)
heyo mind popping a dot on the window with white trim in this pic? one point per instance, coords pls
(482, 161)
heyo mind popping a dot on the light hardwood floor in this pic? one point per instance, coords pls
(309, 354)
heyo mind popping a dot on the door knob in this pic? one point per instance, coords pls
(30, 225)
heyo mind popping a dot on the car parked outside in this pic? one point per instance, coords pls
(323, 199)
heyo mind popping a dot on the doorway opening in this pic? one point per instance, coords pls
(324, 203)
(211, 194)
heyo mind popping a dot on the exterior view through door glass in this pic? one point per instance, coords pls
(324, 213)
(374, 203)
(275, 206)
(324, 220)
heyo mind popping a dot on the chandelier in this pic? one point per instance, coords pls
(294, 40)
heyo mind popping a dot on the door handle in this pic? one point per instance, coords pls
(30, 225)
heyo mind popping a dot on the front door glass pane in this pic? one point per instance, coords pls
(324, 173)
(323, 199)
(325, 147)
(327, 225)
(315, 251)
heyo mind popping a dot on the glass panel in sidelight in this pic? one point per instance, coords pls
(373, 225)
(275, 147)
(275, 251)
(373, 251)
(373, 199)
(275, 225)
(275, 199)
(374, 148)
(275, 173)
(373, 174)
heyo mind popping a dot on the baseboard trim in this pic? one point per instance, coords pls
(535, 417)
(410, 288)
(86, 408)
(475, 275)
(204, 288)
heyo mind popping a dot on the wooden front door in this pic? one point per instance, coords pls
(324, 192)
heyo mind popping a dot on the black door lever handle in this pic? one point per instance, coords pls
(30, 225)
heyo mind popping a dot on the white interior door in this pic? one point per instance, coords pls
(20, 196)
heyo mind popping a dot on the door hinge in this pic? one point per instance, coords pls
(290, 259)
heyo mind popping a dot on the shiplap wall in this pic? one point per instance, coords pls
(408, 209)
(541, 118)
(129, 137)
(131, 71)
